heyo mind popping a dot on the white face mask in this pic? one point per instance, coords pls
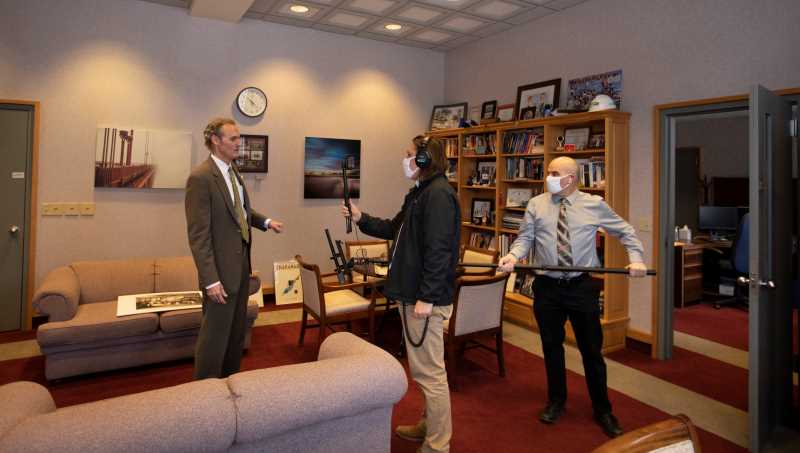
(554, 184)
(410, 173)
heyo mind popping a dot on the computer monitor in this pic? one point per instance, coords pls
(718, 218)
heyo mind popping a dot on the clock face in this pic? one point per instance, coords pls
(252, 102)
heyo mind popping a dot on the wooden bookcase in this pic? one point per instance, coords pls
(489, 149)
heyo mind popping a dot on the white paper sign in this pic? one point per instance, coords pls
(17, 175)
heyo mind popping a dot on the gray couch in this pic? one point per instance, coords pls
(83, 333)
(341, 403)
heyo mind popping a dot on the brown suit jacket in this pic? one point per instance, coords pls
(214, 234)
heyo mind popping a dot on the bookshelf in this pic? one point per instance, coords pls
(518, 152)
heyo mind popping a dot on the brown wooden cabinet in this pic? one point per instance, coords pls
(688, 273)
(476, 148)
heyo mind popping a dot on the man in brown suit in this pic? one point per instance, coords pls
(219, 217)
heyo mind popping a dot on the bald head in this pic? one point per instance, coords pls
(564, 166)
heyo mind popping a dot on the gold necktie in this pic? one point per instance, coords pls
(238, 204)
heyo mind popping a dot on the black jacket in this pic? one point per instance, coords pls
(426, 243)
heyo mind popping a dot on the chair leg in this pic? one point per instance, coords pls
(303, 328)
(501, 360)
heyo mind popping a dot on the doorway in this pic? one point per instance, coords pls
(18, 162)
(772, 194)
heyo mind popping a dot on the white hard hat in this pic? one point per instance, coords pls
(602, 102)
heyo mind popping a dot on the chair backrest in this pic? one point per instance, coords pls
(675, 435)
(367, 249)
(477, 255)
(312, 286)
(479, 304)
(741, 248)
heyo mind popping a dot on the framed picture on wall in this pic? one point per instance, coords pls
(536, 99)
(253, 153)
(505, 112)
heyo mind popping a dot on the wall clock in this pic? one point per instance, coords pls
(252, 102)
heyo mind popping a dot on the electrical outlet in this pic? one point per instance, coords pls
(52, 209)
(71, 209)
(86, 208)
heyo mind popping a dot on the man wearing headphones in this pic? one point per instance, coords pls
(422, 273)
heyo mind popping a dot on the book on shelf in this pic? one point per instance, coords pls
(483, 240)
(591, 172)
(524, 167)
(479, 144)
(529, 141)
(450, 147)
(513, 220)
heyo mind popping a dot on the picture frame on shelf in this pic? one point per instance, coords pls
(481, 211)
(489, 110)
(448, 116)
(597, 141)
(253, 154)
(474, 114)
(578, 136)
(505, 112)
(486, 173)
(518, 197)
(535, 100)
(582, 90)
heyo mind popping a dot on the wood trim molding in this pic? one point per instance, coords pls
(643, 337)
(34, 175)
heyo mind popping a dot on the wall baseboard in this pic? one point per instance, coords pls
(638, 335)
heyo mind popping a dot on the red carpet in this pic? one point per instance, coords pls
(698, 373)
(488, 411)
(727, 326)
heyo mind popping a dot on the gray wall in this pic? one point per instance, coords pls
(134, 63)
(669, 50)
(723, 142)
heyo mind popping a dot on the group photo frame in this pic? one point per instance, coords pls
(448, 116)
(537, 100)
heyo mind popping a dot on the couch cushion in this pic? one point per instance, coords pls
(177, 320)
(176, 274)
(97, 321)
(23, 400)
(105, 280)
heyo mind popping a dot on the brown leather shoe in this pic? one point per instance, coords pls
(413, 433)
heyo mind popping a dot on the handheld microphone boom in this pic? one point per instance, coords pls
(346, 195)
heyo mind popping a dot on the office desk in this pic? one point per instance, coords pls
(689, 269)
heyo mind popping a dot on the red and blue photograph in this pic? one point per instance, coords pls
(323, 169)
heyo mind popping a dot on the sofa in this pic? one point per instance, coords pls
(83, 333)
(340, 403)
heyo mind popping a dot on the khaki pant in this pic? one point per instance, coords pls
(428, 371)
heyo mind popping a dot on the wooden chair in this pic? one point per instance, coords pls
(471, 254)
(332, 303)
(367, 249)
(477, 312)
(676, 433)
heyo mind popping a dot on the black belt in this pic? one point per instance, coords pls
(565, 281)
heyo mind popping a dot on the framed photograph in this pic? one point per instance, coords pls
(482, 210)
(584, 89)
(475, 114)
(253, 153)
(448, 116)
(518, 197)
(322, 171)
(133, 304)
(537, 99)
(597, 141)
(577, 136)
(489, 110)
(505, 112)
(486, 173)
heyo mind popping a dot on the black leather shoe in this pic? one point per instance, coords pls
(609, 424)
(551, 412)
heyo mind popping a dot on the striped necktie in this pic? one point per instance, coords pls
(563, 246)
(238, 205)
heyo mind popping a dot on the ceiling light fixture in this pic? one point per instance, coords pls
(393, 27)
(299, 9)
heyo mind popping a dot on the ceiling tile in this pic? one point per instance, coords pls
(378, 36)
(262, 6)
(460, 41)
(176, 3)
(492, 29)
(527, 16)
(419, 14)
(371, 6)
(537, 2)
(314, 12)
(379, 27)
(462, 24)
(562, 4)
(335, 29)
(451, 4)
(349, 20)
(253, 15)
(497, 9)
(287, 20)
(424, 45)
(431, 36)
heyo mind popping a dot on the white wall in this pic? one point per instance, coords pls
(128, 62)
(669, 50)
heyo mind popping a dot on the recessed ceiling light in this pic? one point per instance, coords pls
(299, 9)
(393, 27)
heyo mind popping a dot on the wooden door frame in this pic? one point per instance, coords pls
(658, 110)
(31, 221)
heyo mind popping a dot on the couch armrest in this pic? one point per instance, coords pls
(58, 295)
(22, 400)
(305, 394)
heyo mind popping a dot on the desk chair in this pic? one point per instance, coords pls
(738, 265)
(477, 312)
(675, 435)
(331, 303)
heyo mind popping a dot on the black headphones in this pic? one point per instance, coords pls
(423, 158)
